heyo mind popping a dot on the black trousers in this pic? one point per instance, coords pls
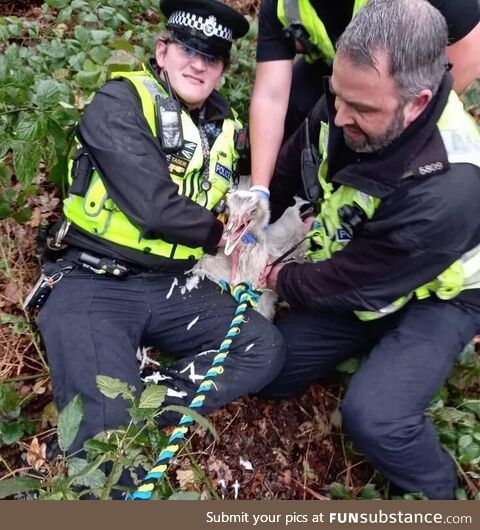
(411, 354)
(92, 325)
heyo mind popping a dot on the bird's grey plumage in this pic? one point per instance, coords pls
(247, 212)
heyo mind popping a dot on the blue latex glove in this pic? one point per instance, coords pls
(262, 192)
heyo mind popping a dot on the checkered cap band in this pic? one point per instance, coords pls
(209, 26)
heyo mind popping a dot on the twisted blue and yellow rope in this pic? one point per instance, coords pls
(246, 297)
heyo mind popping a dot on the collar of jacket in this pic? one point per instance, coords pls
(379, 174)
(217, 107)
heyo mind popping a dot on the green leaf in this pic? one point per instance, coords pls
(26, 160)
(5, 174)
(54, 49)
(64, 14)
(97, 446)
(89, 18)
(200, 420)
(4, 147)
(87, 79)
(100, 36)
(32, 127)
(11, 432)
(5, 209)
(47, 92)
(122, 44)
(369, 492)
(152, 397)
(473, 405)
(85, 474)
(12, 486)
(83, 37)
(138, 414)
(100, 54)
(460, 494)
(9, 404)
(184, 496)
(338, 491)
(57, 4)
(349, 366)
(112, 387)
(69, 422)
(23, 215)
(452, 415)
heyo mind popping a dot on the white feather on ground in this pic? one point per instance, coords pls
(248, 213)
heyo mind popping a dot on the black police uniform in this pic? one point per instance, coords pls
(93, 324)
(423, 224)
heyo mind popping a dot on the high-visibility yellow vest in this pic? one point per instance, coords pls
(97, 214)
(330, 233)
(309, 19)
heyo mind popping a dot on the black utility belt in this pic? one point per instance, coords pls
(100, 265)
(75, 259)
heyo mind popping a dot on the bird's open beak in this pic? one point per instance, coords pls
(236, 229)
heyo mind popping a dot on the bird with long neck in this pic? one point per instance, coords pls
(237, 261)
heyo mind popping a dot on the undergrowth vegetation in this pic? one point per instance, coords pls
(52, 59)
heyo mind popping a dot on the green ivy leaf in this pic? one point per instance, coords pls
(112, 387)
(69, 422)
(152, 397)
(12, 486)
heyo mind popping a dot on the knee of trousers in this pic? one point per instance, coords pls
(373, 426)
(268, 356)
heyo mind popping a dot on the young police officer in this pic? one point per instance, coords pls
(155, 157)
(395, 247)
(311, 27)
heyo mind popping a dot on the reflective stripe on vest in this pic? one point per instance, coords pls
(97, 214)
(314, 26)
(331, 231)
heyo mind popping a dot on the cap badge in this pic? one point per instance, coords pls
(210, 26)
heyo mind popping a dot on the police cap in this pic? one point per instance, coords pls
(206, 26)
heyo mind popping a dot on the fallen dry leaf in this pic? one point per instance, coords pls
(37, 454)
(185, 478)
